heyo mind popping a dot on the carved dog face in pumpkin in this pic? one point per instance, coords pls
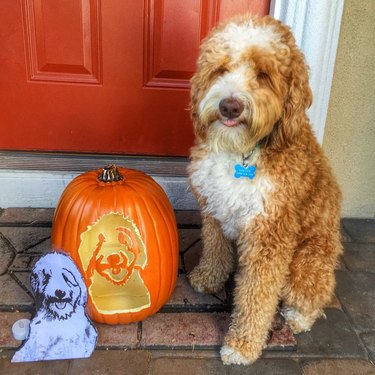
(112, 253)
(115, 255)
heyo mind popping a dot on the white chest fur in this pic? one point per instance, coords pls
(232, 201)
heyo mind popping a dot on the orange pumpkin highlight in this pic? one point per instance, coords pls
(119, 227)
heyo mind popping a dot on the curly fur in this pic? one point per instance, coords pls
(281, 230)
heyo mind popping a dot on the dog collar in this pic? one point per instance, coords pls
(245, 169)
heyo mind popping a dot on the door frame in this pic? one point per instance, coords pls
(316, 27)
(33, 182)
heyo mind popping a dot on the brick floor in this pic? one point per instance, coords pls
(338, 366)
(359, 257)
(7, 319)
(112, 362)
(118, 336)
(331, 337)
(362, 231)
(356, 292)
(369, 340)
(40, 368)
(184, 330)
(186, 335)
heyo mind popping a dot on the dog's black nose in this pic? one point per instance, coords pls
(59, 293)
(231, 107)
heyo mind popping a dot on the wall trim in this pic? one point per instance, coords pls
(38, 179)
(43, 189)
(316, 27)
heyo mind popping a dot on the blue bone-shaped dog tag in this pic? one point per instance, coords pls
(242, 171)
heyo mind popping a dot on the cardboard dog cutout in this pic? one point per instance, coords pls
(60, 328)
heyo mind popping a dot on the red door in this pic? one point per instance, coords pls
(108, 76)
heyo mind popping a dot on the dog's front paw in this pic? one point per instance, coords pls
(204, 281)
(240, 352)
(231, 356)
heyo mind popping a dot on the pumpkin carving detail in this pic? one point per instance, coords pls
(118, 226)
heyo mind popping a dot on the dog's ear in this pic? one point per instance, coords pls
(83, 292)
(34, 282)
(211, 63)
(199, 128)
(78, 278)
(297, 101)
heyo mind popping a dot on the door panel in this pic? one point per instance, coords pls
(58, 53)
(174, 29)
(103, 76)
(228, 8)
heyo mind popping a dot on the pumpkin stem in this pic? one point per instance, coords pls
(110, 173)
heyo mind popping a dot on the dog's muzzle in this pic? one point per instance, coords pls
(58, 300)
(231, 108)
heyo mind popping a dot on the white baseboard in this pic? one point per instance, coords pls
(43, 189)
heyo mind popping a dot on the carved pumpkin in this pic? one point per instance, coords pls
(119, 227)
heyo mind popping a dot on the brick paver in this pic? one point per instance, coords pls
(359, 257)
(268, 367)
(112, 362)
(339, 367)
(185, 299)
(27, 216)
(7, 319)
(362, 231)
(117, 336)
(6, 254)
(201, 366)
(344, 235)
(357, 295)
(187, 366)
(41, 368)
(13, 296)
(331, 337)
(184, 330)
(26, 239)
(369, 340)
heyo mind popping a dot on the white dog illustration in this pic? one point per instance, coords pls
(60, 329)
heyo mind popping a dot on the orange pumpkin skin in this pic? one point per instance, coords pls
(123, 237)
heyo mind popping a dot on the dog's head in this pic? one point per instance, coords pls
(58, 286)
(112, 248)
(251, 84)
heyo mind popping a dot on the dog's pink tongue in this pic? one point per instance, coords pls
(230, 122)
(60, 305)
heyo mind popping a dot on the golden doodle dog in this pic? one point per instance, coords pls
(270, 204)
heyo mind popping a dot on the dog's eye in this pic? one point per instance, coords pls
(221, 70)
(46, 277)
(71, 281)
(262, 76)
(218, 71)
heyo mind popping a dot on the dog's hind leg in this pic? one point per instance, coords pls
(311, 281)
(217, 260)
